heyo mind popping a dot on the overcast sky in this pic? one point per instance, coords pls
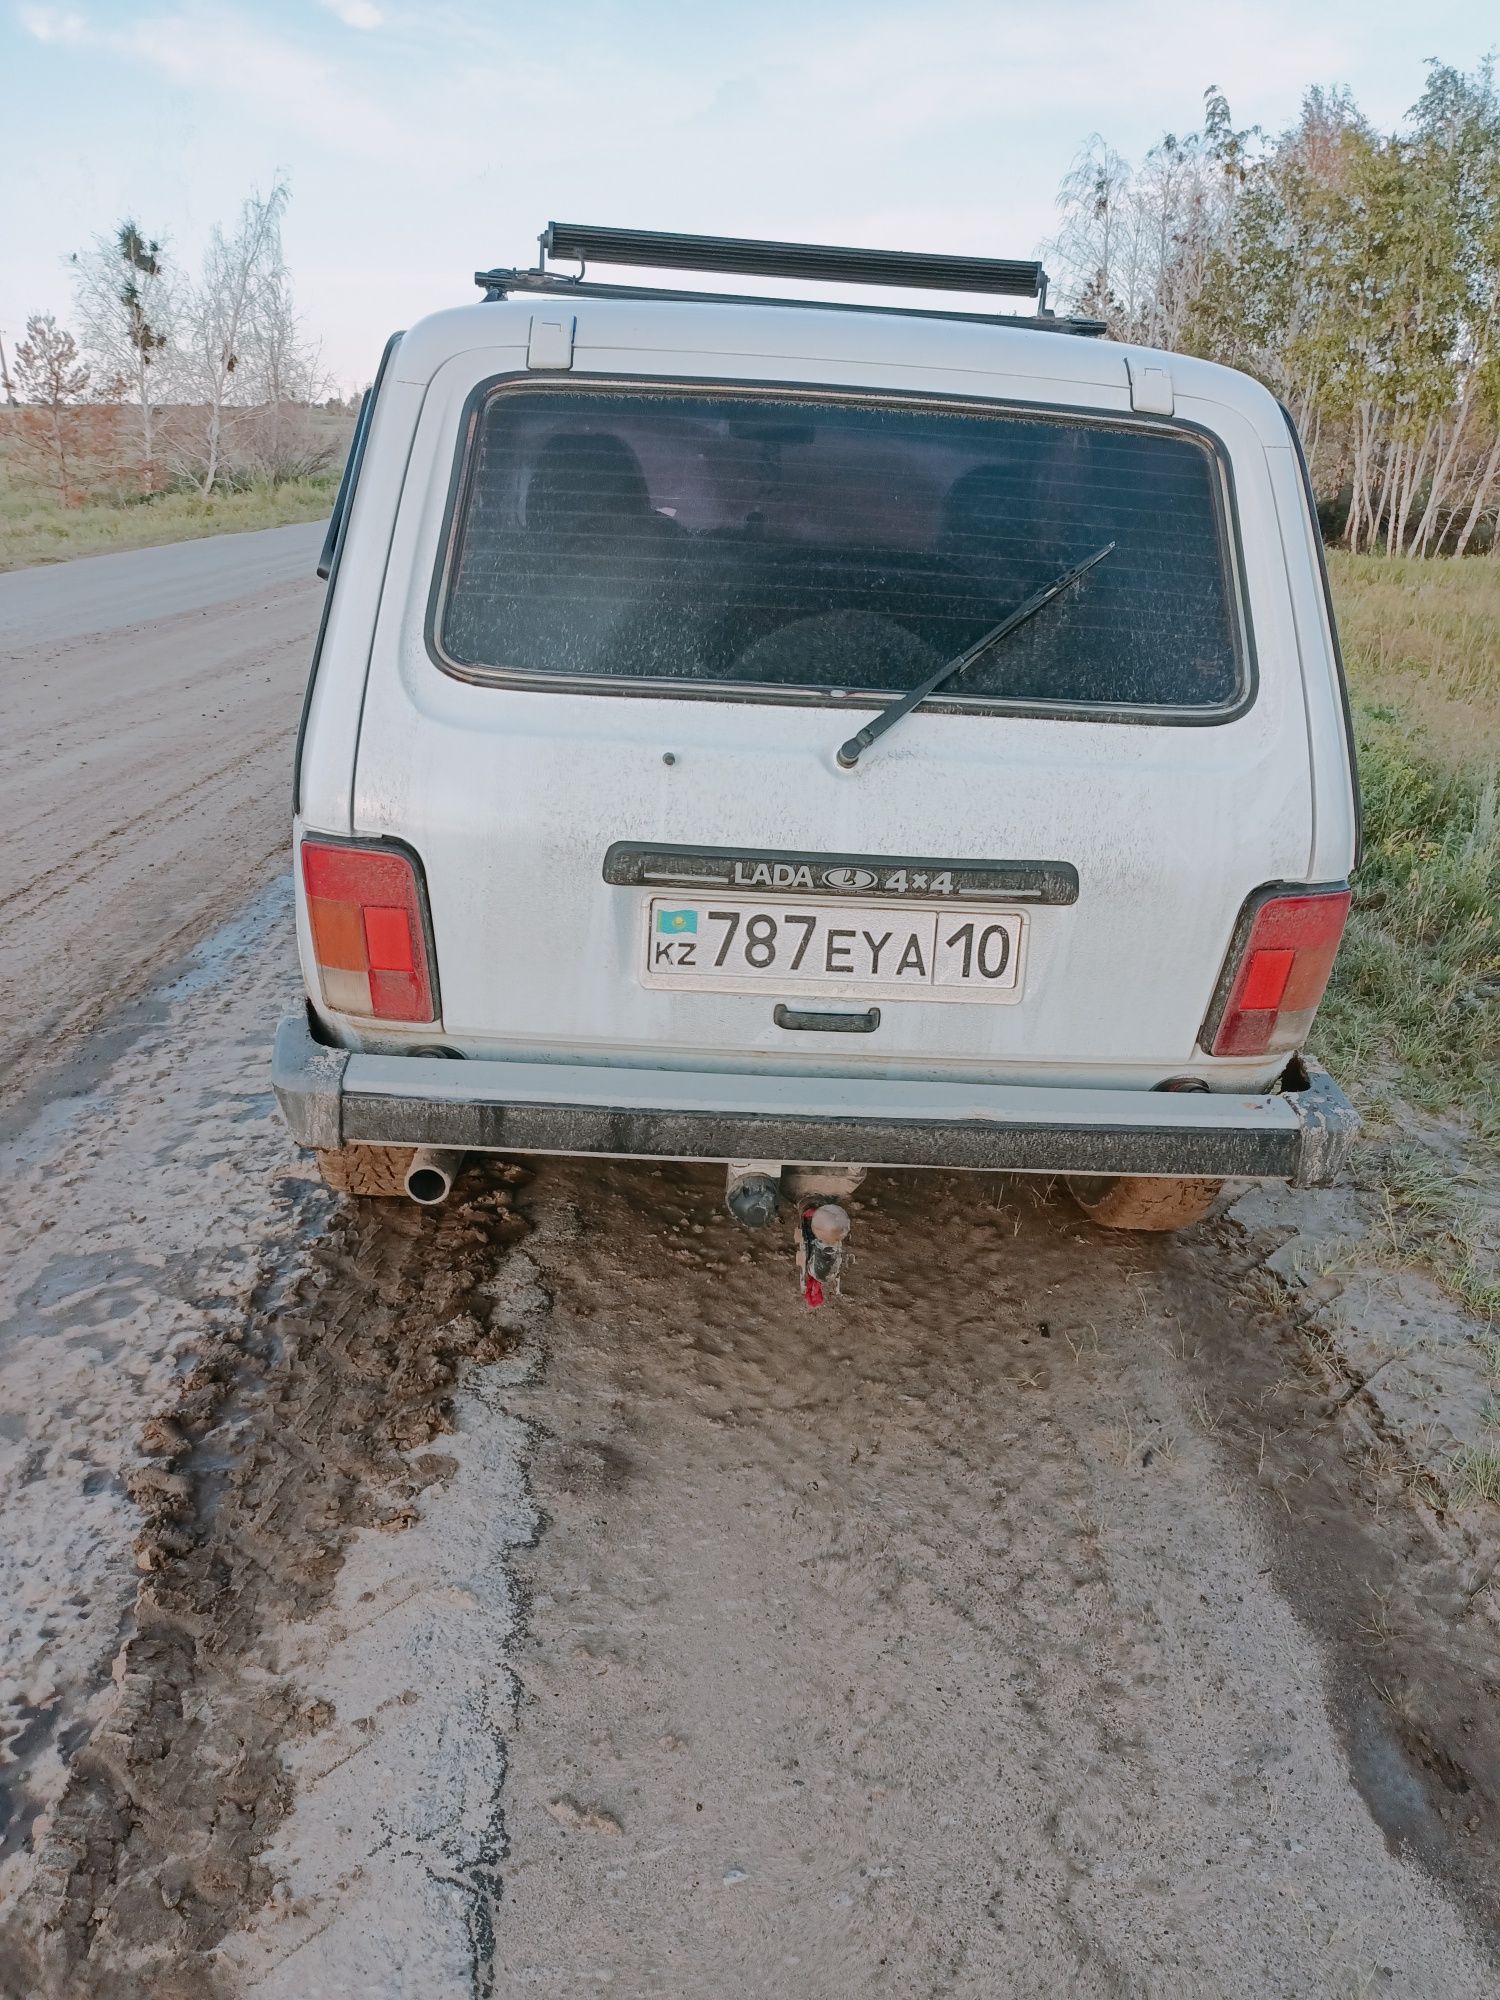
(423, 139)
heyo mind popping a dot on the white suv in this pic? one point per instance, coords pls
(803, 735)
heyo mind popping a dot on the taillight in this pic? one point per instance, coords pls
(367, 914)
(1278, 967)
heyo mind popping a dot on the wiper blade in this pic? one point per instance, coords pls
(849, 753)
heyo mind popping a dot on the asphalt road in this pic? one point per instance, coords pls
(147, 716)
(97, 594)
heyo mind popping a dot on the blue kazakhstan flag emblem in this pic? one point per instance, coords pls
(683, 923)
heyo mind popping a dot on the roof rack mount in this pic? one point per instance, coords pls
(827, 262)
(745, 256)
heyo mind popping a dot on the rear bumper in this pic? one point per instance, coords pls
(331, 1097)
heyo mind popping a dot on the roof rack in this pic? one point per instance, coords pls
(752, 257)
(747, 256)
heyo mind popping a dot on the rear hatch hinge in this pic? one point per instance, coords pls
(551, 342)
(1150, 387)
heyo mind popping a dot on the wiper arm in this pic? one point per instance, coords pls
(888, 718)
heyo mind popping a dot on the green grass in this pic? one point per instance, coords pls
(1415, 998)
(35, 528)
(1434, 1219)
(1416, 993)
(1412, 1019)
(1475, 1475)
(1424, 637)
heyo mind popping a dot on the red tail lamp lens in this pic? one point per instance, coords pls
(367, 915)
(1282, 971)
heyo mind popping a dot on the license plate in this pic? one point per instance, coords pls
(864, 951)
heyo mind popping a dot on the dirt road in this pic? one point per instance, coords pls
(147, 710)
(54, 602)
(532, 1597)
(508, 1611)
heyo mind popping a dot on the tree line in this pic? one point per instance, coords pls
(1355, 272)
(173, 379)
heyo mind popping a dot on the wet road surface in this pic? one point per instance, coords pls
(145, 768)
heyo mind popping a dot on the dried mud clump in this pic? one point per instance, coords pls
(284, 1438)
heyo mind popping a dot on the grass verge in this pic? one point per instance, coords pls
(1412, 1019)
(35, 528)
(1417, 991)
(1416, 994)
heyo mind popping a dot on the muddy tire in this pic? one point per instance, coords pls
(1129, 1201)
(368, 1170)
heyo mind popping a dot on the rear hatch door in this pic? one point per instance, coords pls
(633, 620)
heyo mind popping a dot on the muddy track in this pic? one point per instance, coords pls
(944, 1644)
(287, 1437)
(1046, 1616)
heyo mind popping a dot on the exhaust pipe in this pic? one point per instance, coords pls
(753, 1194)
(433, 1170)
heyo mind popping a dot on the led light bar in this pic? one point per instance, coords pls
(747, 256)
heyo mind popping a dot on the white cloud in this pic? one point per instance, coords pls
(355, 13)
(1011, 64)
(852, 92)
(219, 52)
(53, 24)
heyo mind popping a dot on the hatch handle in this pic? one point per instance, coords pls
(827, 1024)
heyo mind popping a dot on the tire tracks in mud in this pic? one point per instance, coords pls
(288, 1434)
(144, 770)
(79, 867)
(929, 1643)
(959, 1568)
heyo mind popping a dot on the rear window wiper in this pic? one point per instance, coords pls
(849, 752)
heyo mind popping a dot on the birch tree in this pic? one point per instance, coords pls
(1458, 120)
(221, 342)
(127, 312)
(1356, 272)
(279, 439)
(1134, 243)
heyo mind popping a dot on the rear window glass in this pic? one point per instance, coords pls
(782, 545)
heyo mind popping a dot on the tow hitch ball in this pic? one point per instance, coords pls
(754, 1196)
(820, 1249)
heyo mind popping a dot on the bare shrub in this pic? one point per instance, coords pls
(59, 438)
(280, 442)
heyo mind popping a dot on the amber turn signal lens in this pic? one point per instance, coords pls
(367, 913)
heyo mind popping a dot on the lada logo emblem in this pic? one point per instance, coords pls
(850, 878)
